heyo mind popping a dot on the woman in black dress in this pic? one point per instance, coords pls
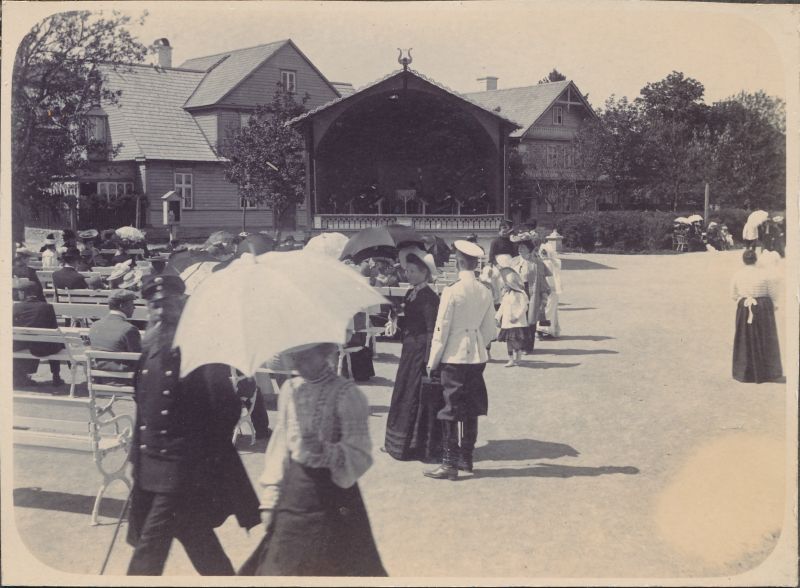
(411, 426)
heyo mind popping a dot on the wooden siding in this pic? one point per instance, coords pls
(216, 201)
(207, 121)
(260, 87)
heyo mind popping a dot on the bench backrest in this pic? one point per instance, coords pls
(93, 311)
(72, 342)
(46, 276)
(107, 381)
(88, 296)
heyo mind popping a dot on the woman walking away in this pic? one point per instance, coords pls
(553, 264)
(512, 316)
(316, 521)
(756, 352)
(411, 426)
(534, 274)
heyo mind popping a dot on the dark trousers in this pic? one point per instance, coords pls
(161, 523)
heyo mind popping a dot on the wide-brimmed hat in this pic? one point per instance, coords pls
(426, 258)
(88, 234)
(512, 279)
(132, 278)
(120, 270)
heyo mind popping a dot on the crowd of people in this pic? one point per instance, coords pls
(188, 477)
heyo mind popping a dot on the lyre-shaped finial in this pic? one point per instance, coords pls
(404, 61)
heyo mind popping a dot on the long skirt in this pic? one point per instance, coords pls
(756, 352)
(551, 314)
(318, 529)
(412, 430)
(516, 338)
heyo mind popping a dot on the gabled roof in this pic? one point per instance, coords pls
(315, 111)
(149, 119)
(525, 105)
(226, 71)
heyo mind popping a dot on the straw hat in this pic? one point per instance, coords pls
(512, 279)
(120, 270)
(426, 258)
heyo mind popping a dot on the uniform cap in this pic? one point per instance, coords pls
(468, 248)
(162, 286)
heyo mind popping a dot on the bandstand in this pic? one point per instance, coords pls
(405, 150)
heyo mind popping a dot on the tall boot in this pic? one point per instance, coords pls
(469, 436)
(449, 468)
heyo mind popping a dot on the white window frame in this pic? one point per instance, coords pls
(289, 80)
(558, 115)
(112, 190)
(185, 189)
(247, 203)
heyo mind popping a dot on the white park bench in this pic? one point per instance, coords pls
(98, 430)
(73, 351)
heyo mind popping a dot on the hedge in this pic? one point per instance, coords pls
(634, 231)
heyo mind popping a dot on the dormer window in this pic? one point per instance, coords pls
(96, 125)
(288, 81)
(558, 115)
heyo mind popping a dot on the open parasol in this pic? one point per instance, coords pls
(383, 241)
(257, 307)
(331, 244)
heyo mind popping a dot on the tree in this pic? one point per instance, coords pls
(553, 76)
(265, 158)
(58, 76)
(743, 151)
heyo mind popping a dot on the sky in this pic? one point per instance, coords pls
(607, 48)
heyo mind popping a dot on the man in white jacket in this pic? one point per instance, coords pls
(464, 326)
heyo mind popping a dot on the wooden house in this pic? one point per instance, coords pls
(171, 122)
(549, 116)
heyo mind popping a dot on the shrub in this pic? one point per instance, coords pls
(629, 230)
(578, 230)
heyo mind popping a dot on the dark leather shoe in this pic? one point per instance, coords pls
(442, 472)
(465, 464)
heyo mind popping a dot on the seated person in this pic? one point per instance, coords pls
(113, 332)
(86, 261)
(68, 276)
(383, 272)
(21, 270)
(36, 313)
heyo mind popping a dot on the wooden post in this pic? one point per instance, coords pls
(705, 207)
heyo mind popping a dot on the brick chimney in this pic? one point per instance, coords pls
(491, 82)
(163, 52)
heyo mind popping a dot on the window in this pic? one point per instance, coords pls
(184, 189)
(558, 115)
(244, 119)
(112, 190)
(288, 80)
(97, 129)
(248, 203)
(552, 156)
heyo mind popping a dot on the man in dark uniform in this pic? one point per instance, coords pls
(188, 477)
(464, 325)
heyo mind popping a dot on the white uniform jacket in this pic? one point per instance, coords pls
(465, 323)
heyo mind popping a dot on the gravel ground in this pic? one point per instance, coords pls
(622, 449)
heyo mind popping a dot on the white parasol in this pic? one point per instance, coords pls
(758, 217)
(331, 244)
(695, 218)
(683, 220)
(130, 233)
(254, 308)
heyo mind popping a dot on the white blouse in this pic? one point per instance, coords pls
(513, 311)
(321, 424)
(752, 282)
